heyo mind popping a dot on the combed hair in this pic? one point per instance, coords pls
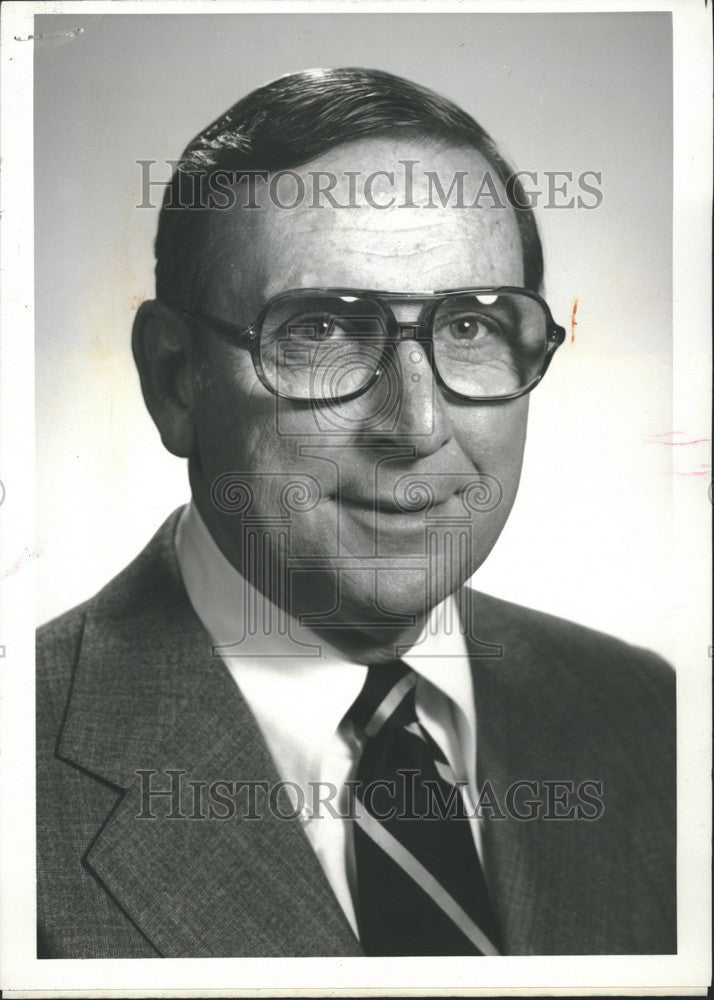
(290, 122)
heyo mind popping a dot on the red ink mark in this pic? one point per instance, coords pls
(655, 439)
(573, 321)
(26, 555)
(693, 441)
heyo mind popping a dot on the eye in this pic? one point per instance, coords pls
(468, 326)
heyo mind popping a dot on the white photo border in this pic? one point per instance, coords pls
(687, 973)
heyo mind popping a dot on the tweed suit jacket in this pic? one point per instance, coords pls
(127, 681)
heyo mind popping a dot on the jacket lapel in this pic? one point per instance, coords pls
(558, 887)
(149, 696)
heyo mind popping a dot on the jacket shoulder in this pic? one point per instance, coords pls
(58, 640)
(57, 643)
(577, 697)
(576, 655)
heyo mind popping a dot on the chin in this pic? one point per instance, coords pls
(408, 591)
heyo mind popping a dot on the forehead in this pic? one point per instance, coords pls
(416, 243)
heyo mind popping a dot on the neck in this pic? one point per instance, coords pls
(376, 645)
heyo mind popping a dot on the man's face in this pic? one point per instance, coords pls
(371, 562)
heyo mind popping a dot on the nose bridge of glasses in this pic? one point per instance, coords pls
(409, 315)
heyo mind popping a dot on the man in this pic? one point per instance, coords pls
(289, 727)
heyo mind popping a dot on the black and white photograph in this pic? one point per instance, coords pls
(355, 498)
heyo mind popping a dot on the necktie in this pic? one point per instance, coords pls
(420, 886)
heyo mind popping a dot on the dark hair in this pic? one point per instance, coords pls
(293, 120)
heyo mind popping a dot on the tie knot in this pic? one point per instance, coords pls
(387, 698)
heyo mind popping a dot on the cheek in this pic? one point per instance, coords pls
(235, 418)
(493, 437)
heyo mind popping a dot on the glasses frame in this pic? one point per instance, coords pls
(249, 337)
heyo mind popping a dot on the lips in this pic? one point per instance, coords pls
(411, 493)
(387, 505)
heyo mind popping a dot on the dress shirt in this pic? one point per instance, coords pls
(299, 694)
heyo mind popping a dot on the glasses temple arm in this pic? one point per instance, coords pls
(235, 334)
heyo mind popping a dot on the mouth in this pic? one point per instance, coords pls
(388, 507)
(414, 494)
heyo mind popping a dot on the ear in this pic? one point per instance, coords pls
(162, 352)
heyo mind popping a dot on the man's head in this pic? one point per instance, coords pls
(404, 487)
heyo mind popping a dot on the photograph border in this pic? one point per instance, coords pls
(688, 972)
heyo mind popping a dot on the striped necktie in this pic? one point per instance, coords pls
(420, 886)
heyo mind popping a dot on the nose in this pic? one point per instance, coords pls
(413, 411)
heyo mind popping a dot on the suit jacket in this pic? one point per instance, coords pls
(127, 681)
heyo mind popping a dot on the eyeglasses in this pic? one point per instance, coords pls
(330, 345)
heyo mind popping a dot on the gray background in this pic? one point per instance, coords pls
(590, 535)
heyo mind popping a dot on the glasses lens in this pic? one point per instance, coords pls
(322, 346)
(489, 344)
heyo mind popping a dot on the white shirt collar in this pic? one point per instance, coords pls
(299, 700)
